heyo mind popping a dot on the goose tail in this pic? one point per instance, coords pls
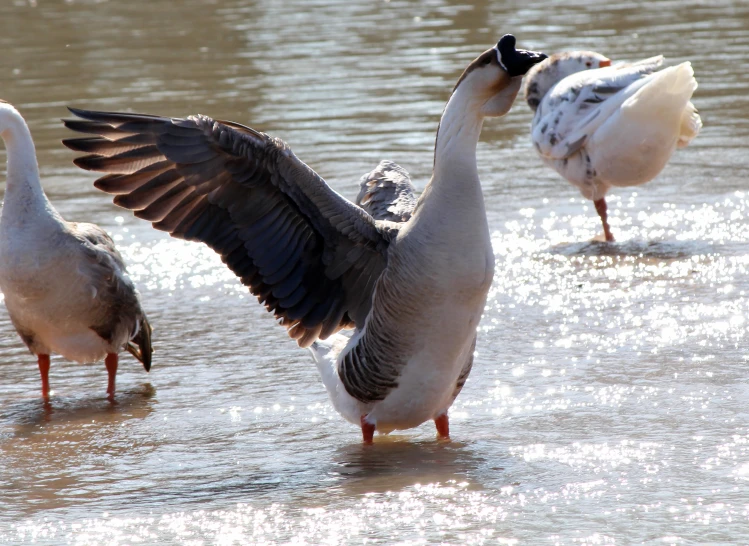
(691, 123)
(666, 95)
(140, 344)
(636, 144)
(326, 353)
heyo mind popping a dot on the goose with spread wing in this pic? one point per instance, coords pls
(601, 126)
(64, 283)
(412, 284)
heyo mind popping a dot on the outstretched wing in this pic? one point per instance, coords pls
(387, 193)
(575, 107)
(308, 254)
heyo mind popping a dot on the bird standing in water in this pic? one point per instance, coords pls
(601, 126)
(413, 290)
(64, 283)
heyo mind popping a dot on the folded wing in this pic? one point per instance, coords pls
(387, 193)
(115, 292)
(579, 104)
(308, 254)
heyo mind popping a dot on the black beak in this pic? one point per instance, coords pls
(516, 62)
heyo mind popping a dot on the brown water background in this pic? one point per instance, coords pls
(608, 401)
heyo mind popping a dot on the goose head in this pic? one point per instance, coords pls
(493, 79)
(542, 77)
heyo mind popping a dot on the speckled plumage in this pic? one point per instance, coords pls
(611, 126)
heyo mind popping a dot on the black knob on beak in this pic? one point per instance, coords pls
(516, 62)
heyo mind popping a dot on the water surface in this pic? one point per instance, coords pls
(608, 398)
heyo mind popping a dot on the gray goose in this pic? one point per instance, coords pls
(413, 291)
(64, 283)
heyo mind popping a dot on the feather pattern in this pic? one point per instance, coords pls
(120, 315)
(610, 126)
(465, 371)
(411, 279)
(387, 192)
(308, 254)
(573, 109)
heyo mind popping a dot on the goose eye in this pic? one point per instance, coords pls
(487, 60)
(588, 64)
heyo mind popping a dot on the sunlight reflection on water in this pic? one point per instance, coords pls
(607, 400)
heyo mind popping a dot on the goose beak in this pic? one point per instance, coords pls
(516, 62)
(604, 63)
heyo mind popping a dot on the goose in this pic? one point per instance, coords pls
(412, 285)
(601, 126)
(64, 283)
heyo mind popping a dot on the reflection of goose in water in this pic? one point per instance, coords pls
(601, 126)
(64, 283)
(26, 415)
(648, 250)
(413, 289)
(72, 453)
(399, 464)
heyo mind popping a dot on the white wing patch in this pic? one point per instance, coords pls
(578, 105)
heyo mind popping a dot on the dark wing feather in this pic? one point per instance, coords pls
(308, 254)
(140, 344)
(387, 193)
(115, 292)
(465, 371)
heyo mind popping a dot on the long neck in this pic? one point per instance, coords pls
(455, 176)
(458, 134)
(24, 196)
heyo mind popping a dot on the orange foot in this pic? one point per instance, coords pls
(443, 426)
(43, 361)
(367, 430)
(111, 363)
(602, 210)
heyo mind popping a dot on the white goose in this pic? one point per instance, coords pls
(414, 291)
(601, 126)
(64, 283)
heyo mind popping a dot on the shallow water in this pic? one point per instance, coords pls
(608, 398)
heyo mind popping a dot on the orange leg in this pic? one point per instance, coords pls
(111, 363)
(367, 431)
(43, 361)
(443, 426)
(602, 211)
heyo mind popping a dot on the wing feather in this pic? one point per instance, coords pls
(308, 254)
(575, 107)
(387, 193)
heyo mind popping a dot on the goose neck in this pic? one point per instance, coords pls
(23, 191)
(457, 137)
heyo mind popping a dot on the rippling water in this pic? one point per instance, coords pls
(608, 399)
